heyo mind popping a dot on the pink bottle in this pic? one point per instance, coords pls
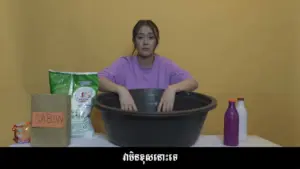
(231, 125)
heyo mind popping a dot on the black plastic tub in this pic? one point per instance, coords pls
(149, 128)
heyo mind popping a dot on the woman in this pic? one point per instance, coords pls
(146, 70)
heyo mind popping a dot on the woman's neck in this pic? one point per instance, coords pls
(146, 62)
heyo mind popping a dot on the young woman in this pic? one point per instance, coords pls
(145, 70)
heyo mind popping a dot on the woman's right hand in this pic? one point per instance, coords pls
(126, 100)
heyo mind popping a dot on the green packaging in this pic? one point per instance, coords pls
(83, 87)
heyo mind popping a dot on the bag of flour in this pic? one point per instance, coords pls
(83, 87)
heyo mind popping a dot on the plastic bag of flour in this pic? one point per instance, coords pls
(83, 87)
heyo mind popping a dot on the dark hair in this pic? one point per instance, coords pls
(138, 26)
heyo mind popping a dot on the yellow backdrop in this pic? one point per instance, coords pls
(245, 48)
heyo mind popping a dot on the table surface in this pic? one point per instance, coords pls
(203, 141)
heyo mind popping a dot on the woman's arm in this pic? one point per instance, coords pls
(188, 85)
(111, 78)
(106, 85)
(181, 80)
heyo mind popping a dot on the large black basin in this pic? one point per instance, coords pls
(149, 128)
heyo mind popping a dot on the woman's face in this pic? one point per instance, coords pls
(145, 42)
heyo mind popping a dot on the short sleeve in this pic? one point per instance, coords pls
(178, 74)
(114, 72)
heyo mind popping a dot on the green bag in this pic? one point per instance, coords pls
(83, 87)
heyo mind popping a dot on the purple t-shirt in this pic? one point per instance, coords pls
(127, 72)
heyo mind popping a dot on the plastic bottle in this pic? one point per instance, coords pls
(231, 125)
(242, 111)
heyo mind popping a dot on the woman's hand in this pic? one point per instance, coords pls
(126, 100)
(167, 100)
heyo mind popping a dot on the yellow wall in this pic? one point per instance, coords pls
(234, 48)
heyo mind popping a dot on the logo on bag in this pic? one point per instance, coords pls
(84, 94)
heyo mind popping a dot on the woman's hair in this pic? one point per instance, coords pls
(138, 26)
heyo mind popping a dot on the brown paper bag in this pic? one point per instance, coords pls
(50, 120)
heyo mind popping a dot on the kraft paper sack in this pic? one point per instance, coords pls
(50, 120)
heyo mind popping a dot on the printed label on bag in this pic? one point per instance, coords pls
(48, 119)
(84, 94)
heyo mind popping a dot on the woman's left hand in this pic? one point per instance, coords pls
(167, 100)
